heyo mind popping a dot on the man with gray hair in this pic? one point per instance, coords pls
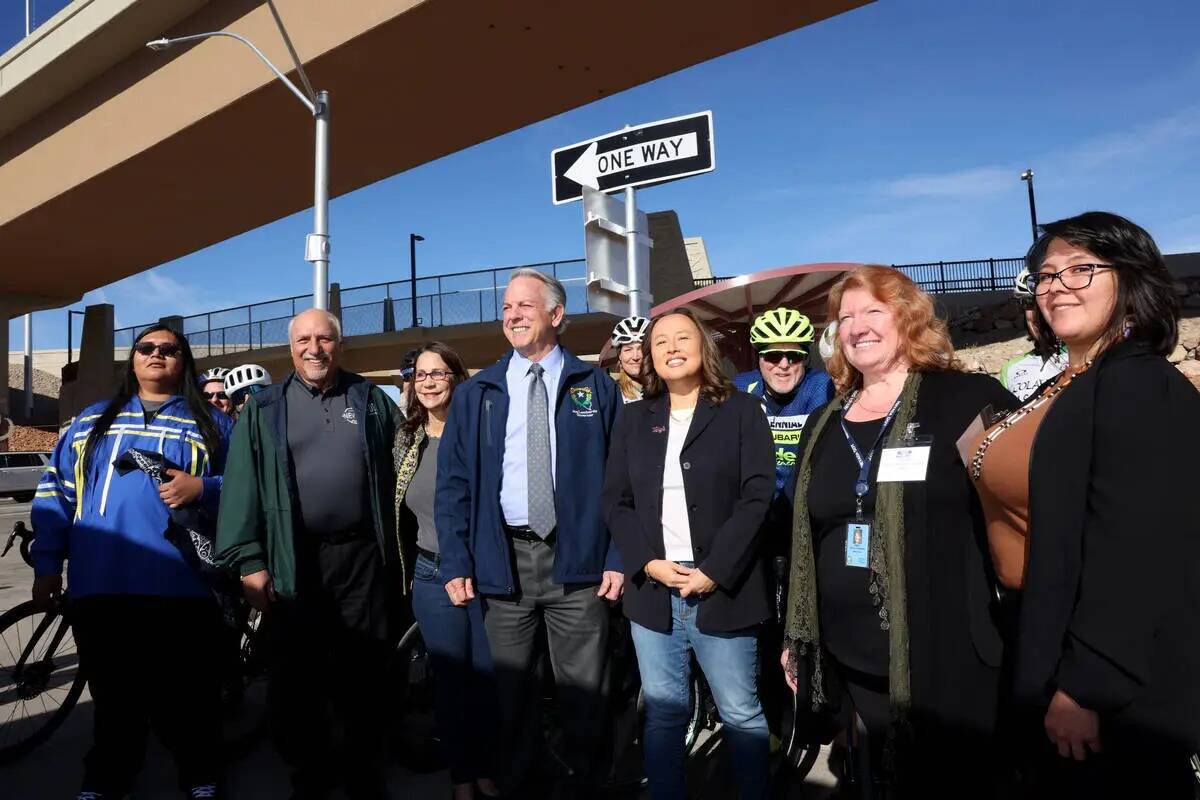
(307, 522)
(519, 521)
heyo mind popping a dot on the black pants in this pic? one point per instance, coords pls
(151, 662)
(576, 627)
(329, 651)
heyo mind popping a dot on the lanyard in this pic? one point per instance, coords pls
(861, 485)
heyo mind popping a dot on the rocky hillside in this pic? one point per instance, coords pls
(987, 350)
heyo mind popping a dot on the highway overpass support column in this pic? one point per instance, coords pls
(95, 373)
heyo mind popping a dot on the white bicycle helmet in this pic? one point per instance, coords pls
(828, 339)
(1021, 285)
(247, 377)
(630, 330)
(214, 374)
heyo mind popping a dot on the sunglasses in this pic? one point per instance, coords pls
(214, 395)
(166, 349)
(775, 356)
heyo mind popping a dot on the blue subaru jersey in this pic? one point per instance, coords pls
(111, 528)
(788, 420)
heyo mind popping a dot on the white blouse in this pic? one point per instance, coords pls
(677, 529)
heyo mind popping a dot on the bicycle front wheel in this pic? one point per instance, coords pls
(40, 676)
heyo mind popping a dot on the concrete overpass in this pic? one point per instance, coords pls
(114, 159)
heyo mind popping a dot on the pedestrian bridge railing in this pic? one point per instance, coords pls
(454, 299)
(476, 296)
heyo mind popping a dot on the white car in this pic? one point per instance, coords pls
(20, 474)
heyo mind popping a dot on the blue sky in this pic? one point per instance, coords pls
(893, 133)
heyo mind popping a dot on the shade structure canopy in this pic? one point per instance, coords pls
(730, 306)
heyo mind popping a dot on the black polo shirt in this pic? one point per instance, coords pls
(325, 446)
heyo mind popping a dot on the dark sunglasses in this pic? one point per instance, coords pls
(775, 356)
(166, 349)
(214, 395)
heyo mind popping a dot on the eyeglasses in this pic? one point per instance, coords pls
(437, 374)
(775, 356)
(1079, 276)
(165, 349)
(214, 395)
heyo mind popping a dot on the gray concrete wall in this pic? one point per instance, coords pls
(93, 376)
(670, 269)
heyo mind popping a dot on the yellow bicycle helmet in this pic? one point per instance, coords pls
(779, 326)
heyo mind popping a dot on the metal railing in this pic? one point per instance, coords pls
(943, 277)
(984, 275)
(455, 299)
(25, 15)
(476, 296)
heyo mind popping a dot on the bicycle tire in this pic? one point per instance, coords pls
(26, 678)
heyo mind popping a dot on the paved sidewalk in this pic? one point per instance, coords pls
(54, 770)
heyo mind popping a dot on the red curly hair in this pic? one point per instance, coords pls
(924, 339)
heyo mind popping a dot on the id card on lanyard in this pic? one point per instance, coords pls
(858, 531)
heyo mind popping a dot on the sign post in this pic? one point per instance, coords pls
(641, 155)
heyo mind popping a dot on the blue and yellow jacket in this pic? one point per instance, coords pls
(111, 528)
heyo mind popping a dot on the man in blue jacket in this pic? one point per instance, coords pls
(519, 522)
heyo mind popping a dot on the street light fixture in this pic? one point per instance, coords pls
(1027, 176)
(316, 244)
(413, 238)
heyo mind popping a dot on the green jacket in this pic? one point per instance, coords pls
(257, 523)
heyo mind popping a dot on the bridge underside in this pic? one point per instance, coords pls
(132, 158)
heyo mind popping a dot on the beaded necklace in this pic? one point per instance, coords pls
(1015, 416)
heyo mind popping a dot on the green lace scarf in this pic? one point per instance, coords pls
(802, 634)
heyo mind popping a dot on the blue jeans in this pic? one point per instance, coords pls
(730, 663)
(465, 701)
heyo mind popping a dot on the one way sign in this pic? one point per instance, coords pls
(656, 152)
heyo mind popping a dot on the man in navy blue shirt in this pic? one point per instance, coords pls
(519, 521)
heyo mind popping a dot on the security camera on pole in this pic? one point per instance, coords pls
(615, 234)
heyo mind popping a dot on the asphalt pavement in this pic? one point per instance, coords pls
(54, 770)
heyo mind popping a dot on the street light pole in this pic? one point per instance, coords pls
(413, 238)
(1027, 176)
(316, 244)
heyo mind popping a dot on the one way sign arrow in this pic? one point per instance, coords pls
(653, 153)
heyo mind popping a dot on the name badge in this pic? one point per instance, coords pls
(904, 463)
(858, 545)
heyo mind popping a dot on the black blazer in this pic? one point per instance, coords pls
(955, 646)
(1110, 611)
(728, 465)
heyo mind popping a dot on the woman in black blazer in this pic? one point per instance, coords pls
(1108, 643)
(890, 618)
(690, 475)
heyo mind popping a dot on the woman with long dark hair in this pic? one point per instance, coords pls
(454, 635)
(121, 472)
(1092, 529)
(689, 478)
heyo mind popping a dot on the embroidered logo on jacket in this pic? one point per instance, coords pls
(581, 401)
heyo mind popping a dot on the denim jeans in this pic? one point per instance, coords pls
(465, 702)
(730, 663)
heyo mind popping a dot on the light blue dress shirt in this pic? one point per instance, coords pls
(514, 486)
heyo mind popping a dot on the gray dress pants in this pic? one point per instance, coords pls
(576, 624)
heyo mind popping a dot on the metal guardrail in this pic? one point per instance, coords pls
(455, 299)
(476, 296)
(943, 277)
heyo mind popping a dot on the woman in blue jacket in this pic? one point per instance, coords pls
(146, 624)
